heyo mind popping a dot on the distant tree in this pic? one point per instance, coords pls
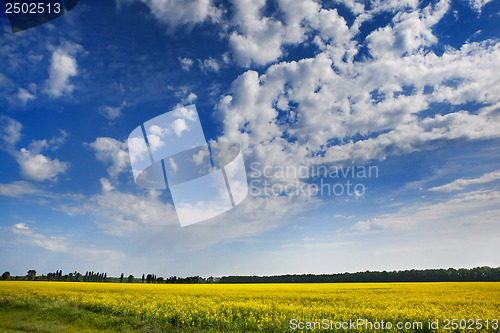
(130, 279)
(121, 278)
(105, 277)
(6, 276)
(142, 278)
(149, 278)
(31, 275)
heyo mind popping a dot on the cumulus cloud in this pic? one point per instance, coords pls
(106, 185)
(190, 98)
(63, 66)
(255, 37)
(39, 167)
(174, 13)
(362, 111)
(33, 164)
(125, 211)
(210, 65)
(258, 36)
(409, 33)
(179, 126)
(186, 63)
(478, 4)
(21, 226)
(258, 39)
(10, 130)
(24, 95)
(112, 151)
(112, 112)
(54, 143)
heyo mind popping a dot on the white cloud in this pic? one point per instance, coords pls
(411, 32)
(33, 164)
(261, 40)
(18, 189)
(185, 113)
(214, 65)
(199, 157)
(54, 143)
(176, 13)
(210, 65)
(39, 167)
(186, 63)
(111, 151)
(253, 37)
(179, 126)
(24, 95)
(106, 185)
(21, 226)
(112, 112)
(338, 117)
(461, 184)
(10, 130)
(173, 165)
(469, 208)
(356, 6)
(36, 166)
(190, 98)
(55, 244)
(478, 4)
(187, 97)
(63, 66)
(62, 244)
(126, 213)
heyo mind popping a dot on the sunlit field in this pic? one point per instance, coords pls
(451, 307)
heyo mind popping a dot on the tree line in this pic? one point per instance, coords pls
(91, 276)
(427, 275)
(484, 273)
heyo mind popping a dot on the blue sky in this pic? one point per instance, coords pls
(408, 88)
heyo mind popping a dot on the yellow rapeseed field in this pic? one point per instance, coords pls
(450, 307)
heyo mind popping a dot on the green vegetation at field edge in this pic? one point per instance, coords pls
(21, 315)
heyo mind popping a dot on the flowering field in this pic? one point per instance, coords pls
(449, 307)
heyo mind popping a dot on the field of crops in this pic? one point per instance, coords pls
(284, 307)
